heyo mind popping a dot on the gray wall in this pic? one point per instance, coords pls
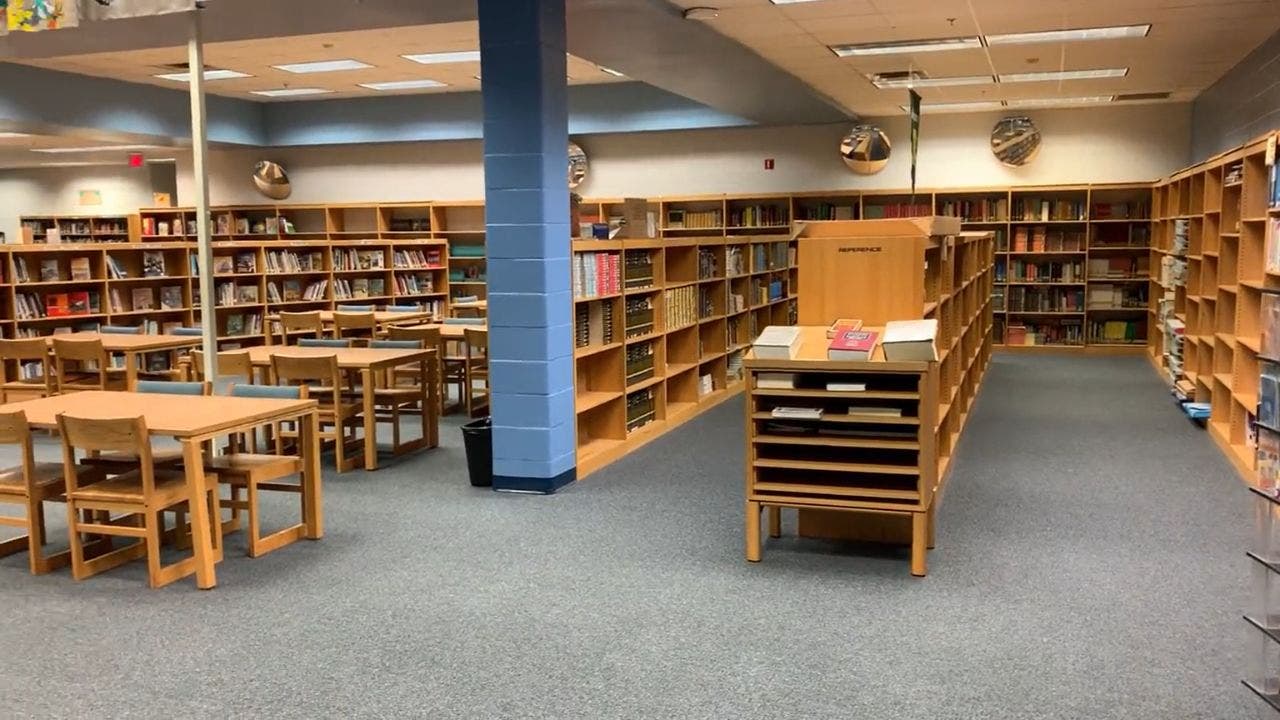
(1242, 105)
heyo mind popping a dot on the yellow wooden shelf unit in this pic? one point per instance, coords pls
(78, 229)
(874, 466)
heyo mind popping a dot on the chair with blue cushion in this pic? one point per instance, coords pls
(308, 325)
(361, 326)
(187, 331)
(469, 321)
(115, 463)
(324, 342)
(254, 472)
(390, 398)
(403, 308)
(354, 309)
(120, 329)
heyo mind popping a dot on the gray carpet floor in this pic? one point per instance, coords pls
(1090, 564)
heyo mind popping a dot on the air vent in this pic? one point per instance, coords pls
(899, 76)
(1141, 96)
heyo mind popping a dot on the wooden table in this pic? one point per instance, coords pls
(193, 420)
(383, 317)
(133, 346)
(370, 362)
(451, 331)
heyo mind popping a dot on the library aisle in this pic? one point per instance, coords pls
(1089, 564)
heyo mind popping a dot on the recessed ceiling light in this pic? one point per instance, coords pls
(610, 71)
(208, 75)
(906, 46)
(403, 85)
(957, 107)
(789, 2)
(915, 82)
(1101, 33)
(322, 66)
(291, 92)
(1064, 75)
(1053, 102)
(93, 148)
(441, 58)
(82, 163)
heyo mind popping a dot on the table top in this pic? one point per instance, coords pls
(451, 332)
(348, 358)
(383, 316)
(176, 415)
(117, 342)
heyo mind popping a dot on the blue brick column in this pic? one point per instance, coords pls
(522, 56)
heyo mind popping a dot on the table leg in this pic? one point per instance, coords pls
(370, 422)
(198, 504)
(919, 541)
(775, 522)
(430, 418)
(313, 500)
(131, 371)
(753, 531)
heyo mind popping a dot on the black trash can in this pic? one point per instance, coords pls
(477, 438)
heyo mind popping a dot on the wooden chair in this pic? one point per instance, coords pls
(307, 324)
(355, 325)
(324, 342)
(30, 485)
(477, 369)
(338, 411)
(233, 363)
(390, 398)
(187, 331)
(408, 374)
(140, 496)
(83, 365)
(355, 308)
(254, 472)
(115, 463)
(35, 375)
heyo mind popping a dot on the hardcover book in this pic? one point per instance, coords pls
(223, 264)
(852, 345)
(152, 264)
(171, 297)
(49, 270)
(910, 340)
(143, 299)
(80, 269)
(777, 342)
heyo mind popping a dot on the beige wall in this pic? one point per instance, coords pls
(1114, 144)
(56, 191)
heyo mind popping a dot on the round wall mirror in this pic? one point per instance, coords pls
(577, 165)
(865, 149)
(271, 180)
(1015, 141)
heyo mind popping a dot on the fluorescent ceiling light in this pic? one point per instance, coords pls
(441, 58)
(403, 85)
(906, 46)
(1102, 33)
(1064, 75)
(610, 71)
(1054, 102)
(4, 135)
(291, 92)
(82, 163)
(95, 148)
(957, 107)
(890, 84)
(322, 66)
(208, 75)
(789, 2)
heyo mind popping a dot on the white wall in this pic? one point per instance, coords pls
(56, 191)
(1111, 144)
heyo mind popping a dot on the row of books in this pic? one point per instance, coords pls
(415, 259)
(765, 291)
(1133, 210)
(772, 256)
(30, 306)
(1034, 299)
(978, 210)
(351, 259)
(174, 226)
(593, 324)
(694, 219)
(240, 263)
(596, 273)
(641, 408)
(359, 288)
(294, 292)
(708, 263)
(758, 216)
(1064, 332)
(1121, 235)
(1117, 331)
(638, 270)
(1044, 209)
(735, 263)
(1119, 266)
(896, 210)
(419, 284)
(232, 294)
(828, 211)
(286, 261)
(153, 265)
(1044, 271)
(1104, 296)
(682, 307)
(1273, 246)
(144, 298)
(238, 324)
(1041, 239)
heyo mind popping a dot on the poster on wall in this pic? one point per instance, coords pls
(90, 197)
(915, 139)
(37, 15)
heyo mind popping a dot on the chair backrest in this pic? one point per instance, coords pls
(466, 299)
(14, 430)
(231, 362)
(467, 312)
(403, 308)
(128, 435)
(354, 309)
(319, 372)
(74, 356)
(429, 336)
(187, 331)
(27, 350)
(324, 342)
(274, 392)
(79, 350)
(120, 329)
(356, 323)
(165, 387)
(464, 321)
(293, 322)
(477, 341)
(396, 344)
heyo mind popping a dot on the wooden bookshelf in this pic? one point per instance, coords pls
(1224, 203)
(78, 229)
(861, 475)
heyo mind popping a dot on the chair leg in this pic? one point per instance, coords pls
(255, 525)
(77, 546)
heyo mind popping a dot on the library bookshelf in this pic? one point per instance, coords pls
(661, 326)
(78, 229)
(874, 466)
(1223, 206)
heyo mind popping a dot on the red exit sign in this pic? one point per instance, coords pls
(768, 163)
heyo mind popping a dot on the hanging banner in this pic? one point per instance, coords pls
(37, 15)
(915, 139)
(94, 10)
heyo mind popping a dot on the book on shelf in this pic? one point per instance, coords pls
(20, 270)
(843, 324)
(273, 292)
(246, 262)
(246, 294)
(856, 345)
(1270, 322)
(242, 225)
(54, 236)
(775, 381)
(49, 271)
(78, 303)
(292, 290)
(57, 305)
(875, 410)
(153, 264)
(1273, 245)
(235, 324)
(171, 297)
(910, 340)
(222, 264)
(80, 269)
(143, 299)
(115, 270)
(1269, 395)
(777, 342)
(895, 210)
(845, 386)
(796, 413)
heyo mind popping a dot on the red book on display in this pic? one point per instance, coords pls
(852, 345)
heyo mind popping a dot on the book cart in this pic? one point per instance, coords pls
(874, 466)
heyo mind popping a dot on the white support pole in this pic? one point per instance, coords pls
(199, 148)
